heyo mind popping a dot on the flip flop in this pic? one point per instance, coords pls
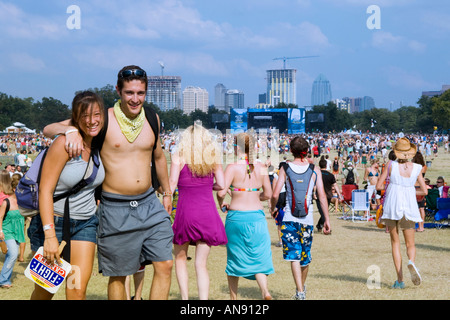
(415, 276)
(5, 286)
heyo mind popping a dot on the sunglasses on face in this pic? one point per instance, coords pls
(132, 72)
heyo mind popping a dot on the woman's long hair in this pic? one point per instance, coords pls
(418, 158)
(199, 150)
(246, 144)
(83, 103)
(5, 183)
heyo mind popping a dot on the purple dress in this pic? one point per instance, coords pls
(196, 218)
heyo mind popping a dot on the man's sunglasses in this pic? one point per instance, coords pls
(132, 72)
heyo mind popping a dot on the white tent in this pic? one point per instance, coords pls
(18, 127)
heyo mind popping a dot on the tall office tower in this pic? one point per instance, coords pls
(165, 92)
(367, 103)
(195, 98)
(219, 96)
(353, 104)
(234, 99)
(321, 91)
(281, 86)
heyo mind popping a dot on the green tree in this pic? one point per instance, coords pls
(51, 110)
(407, 119)
(425, 119)
(441, 110)
(204, 117)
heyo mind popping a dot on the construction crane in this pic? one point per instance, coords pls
(286, 58)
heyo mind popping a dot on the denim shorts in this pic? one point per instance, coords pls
(80, 230)
(297, 240)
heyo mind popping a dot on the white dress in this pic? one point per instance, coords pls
(401, 195)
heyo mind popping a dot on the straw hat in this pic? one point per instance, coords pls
(404, 149)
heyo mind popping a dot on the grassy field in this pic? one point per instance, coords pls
(344, 265)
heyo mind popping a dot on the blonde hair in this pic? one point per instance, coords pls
(5, 183)
(199, 150)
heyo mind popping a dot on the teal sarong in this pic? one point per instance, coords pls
(248, 247)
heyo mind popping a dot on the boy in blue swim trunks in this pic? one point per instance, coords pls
(297, 231)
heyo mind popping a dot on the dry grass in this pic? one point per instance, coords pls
(339, 270)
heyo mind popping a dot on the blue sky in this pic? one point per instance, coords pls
(231, 42)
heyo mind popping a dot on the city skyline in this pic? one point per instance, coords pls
(389, 50)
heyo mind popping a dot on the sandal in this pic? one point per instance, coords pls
(398, 285)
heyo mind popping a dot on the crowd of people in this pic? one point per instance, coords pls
(124, 212)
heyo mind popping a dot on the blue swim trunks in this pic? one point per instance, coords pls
(297, 239)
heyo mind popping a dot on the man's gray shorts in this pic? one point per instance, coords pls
(133, 231)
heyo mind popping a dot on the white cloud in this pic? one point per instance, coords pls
(437, 23)
(397, 77)
(113, 58)
(18, 24)
(305, 34)
(417, 46)
(366, 3)
(26, 62)
(387, 42)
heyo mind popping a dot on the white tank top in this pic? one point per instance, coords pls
(82, 205)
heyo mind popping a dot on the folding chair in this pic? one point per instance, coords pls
(443, 213)
(360, 202)
(347, 195)
(431, 206)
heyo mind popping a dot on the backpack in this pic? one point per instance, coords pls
(297, 187)
(27, 191)
(150, 114)
(350, 177)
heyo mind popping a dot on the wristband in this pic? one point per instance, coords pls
(70, 131)
(48, 227)
(167, 194)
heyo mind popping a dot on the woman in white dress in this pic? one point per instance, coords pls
(400, 206)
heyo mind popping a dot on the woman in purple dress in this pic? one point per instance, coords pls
(196, 163)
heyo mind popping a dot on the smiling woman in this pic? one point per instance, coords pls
(60, 174)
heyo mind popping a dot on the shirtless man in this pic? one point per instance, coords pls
(134, 227)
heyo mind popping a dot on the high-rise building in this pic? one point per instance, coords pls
(195, 98)
(262, 98)
(367, 103)
(341, 104)
(281, 86)
(234, 99)
(321, 91)
(219, 96)
(352, 104)
(359, 104)
(165, 92)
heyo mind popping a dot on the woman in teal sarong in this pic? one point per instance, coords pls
(248, 249)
